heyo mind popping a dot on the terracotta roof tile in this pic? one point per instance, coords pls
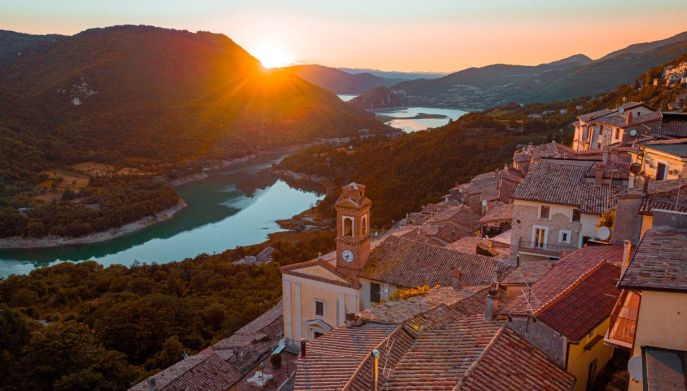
(660, 262)
(293, 270)
(563, 275)
(564, 183)
(510, 362)
(586, 305)
(402, 310)
(576, 294)
(410, 264)
(528, 272)
(332, 360)
(500, 212)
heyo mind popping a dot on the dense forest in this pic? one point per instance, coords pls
(85, 327)
(404, 173)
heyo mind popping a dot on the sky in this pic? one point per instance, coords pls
(402, 35)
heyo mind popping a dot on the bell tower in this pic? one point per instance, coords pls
(352, 229)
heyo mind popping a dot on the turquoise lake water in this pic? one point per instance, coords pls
(235, 206)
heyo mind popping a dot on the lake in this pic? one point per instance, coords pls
(414, 125)
(234, 206)
(346, 97)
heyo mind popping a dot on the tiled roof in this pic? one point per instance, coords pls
(295, 270)
(666, 195)
(501, 212)
(675, 149)
(399, 311)
(470, 354)
(564, 183)
(332, 359)
(410, 264)
(674, 124)
(224, 364)
(528, 273)
(615, 170)
(660, 262)
(595, 114)
(563, 275)
(618, 120)
(583, 307)
(510, 362)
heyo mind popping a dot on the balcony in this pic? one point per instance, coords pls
(549, 250)
(623, 325)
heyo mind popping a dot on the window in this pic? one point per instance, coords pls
(364, 224)
(348, 226)
(544, 212)
(661, 171)
(576, 215)
(617, 133)
(539, 236)
(564, 237)
(319, 308)
(374, 292)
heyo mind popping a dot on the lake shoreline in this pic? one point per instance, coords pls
(16, 243)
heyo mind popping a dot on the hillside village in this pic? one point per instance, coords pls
(554, 272)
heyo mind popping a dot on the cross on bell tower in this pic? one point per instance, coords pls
(352, 229)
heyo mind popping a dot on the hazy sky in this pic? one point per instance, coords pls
(427, 35)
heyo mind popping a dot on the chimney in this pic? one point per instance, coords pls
(151, 384)
(599, 174)
(492, 302)
(375, 369)
(628, 119)
(303, 347)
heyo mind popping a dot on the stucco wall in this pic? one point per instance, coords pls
(580, 359)
(662, 323)
(299, 304)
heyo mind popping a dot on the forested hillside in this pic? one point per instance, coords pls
(153, 99)
(108, 328)
(403, 174)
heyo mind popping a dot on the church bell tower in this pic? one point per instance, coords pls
(352, 229)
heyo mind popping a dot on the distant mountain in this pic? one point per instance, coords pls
(395, 74)
(493, 85)
(155, 95)
(375, 98)
(639, 48)
(14, 45)
(338, 81)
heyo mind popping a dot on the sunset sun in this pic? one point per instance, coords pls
(273, 55)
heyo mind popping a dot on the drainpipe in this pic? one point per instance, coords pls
(627, 250)
(375, 369)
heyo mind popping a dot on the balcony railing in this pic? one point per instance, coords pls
(546, 249)
(621, 329)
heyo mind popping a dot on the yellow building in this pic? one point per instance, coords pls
(650, 317)
(566, 312)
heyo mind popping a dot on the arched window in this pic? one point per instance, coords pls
(364, 224)
(348, 226)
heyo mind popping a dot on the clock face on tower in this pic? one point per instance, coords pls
(347, 255)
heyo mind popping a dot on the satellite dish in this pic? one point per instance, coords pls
(634, 366)
(603, 233)
(621, 110)
(484, 202)
(633, 132)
